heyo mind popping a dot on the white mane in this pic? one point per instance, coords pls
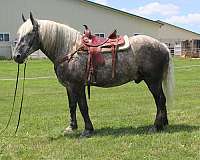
(55, 37)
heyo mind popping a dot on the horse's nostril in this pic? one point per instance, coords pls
(18, 56)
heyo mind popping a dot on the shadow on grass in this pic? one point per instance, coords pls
(181, 128)
(142, 130)
(60, 136)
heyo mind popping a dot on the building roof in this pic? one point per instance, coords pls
(159, 22)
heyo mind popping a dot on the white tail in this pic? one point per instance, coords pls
(168, 81)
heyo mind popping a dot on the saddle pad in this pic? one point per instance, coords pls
(126, 44)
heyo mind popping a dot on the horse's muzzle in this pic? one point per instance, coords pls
(19, 59)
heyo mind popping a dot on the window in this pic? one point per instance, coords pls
(171, 47)
(171, 50)
(100, 34)
(4, 37)
(1, 37)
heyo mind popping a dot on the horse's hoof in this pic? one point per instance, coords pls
(87, 134)
(156, 129)
(69, 130)
(153, 129)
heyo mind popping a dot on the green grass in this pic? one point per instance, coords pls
(121, 117)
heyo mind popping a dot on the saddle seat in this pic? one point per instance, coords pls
(96, 41)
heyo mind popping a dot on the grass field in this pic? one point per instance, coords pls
(121, 117)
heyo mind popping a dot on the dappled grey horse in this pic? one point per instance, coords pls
(146, 59)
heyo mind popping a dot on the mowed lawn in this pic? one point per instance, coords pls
(121, 117)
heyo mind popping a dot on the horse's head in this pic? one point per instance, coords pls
(28, 39)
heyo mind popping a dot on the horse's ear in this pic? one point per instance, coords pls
(33, 21)
(23, 18)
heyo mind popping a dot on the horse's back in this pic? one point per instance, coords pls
(147, 46)
(143, 40)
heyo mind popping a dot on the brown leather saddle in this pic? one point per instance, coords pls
(94, 44)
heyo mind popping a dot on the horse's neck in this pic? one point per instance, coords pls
(57, 53)
(55, 45)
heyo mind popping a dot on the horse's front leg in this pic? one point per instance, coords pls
(72, 99)
(82, 102)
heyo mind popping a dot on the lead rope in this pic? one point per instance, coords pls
(21, 105)
(13, 104)
(22, 99)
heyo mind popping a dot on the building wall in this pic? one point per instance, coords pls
(75, 13)
(106, 20)
(173, 36)
(169, 33)
(5, 50)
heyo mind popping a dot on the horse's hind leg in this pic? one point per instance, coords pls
(160, 100)
(73, 99)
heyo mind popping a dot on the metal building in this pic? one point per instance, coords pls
(75, 13)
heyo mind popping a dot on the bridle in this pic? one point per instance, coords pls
(16, 87)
